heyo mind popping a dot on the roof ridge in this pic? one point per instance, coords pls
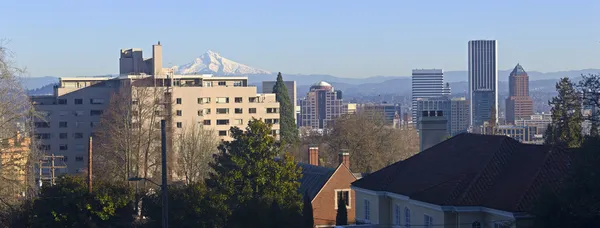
(479, 174)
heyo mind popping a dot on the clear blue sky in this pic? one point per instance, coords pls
(343, 38)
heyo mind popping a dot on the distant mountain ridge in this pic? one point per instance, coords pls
(212, 62)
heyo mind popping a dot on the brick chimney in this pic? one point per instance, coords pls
(313, 155)
(344, 158)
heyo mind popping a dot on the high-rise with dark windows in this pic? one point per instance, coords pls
(483, 81)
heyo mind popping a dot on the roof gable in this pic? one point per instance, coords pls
(470, 170)
(313, 178)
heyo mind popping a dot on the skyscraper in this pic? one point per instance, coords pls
(426, 83)
(483, 81)
(518, 104)
(321, 106)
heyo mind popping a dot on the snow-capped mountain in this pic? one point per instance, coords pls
(213, 63)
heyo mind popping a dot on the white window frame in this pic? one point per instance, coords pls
(349, 197)
(367, 209)
(427, 221)
(406, 217)
(397, 215)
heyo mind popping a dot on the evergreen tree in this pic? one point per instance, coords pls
(590, 87)
(576, 203)
(342, 213)
(247, 177)
(287, 125)
(307, 212)
(567, 118)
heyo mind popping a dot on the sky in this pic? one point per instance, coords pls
(345, 38)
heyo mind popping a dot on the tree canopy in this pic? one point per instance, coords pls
(287, 121)
(565, 129)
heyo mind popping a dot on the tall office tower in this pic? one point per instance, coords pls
(74, 111)
(519, 104)
(459, 116)
(321, 106)
(483, 81)
(426, 83)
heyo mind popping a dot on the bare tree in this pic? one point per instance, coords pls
(18, 152)
(372, 143)
(194, 147)
(128, 139)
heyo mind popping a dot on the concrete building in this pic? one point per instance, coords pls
(386, 110)
(524, 134)
(483, 80)
(426, 83)
(73, 112)
(456, 111)
(468, 181)
(519, 104)
(321, 106)
(14, 159)
(432, 129)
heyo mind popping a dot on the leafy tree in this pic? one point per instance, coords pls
(307, 212)
(68, 204)
(189, 206)
(288, 129)
(576, 204)
(565, 129)
(342, 213)
(248, 178)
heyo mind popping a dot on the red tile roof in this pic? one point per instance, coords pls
(474, 170)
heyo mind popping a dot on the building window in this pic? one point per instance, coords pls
(179, 112)
(476, 224)
(63, 113)
(206, 111)
(342, 194)
(44, 147)
(78, 158)
(78, 101)
(62, 101)
(237, 83)
(208, 84)
(222, 122)
(222, 100)
(252, 99)
(397, 213)
(41, 124)
(238, 121)
(275, 132)
(78, 113)
(179, 125)
(78, 135)
(206, 122)
(272, 121)
(367, 210)
(222, 111)
(406, 217)
(62, 124)
(238, 100)
(96, 112)
(272, 110)
(221, 83)
(178, 100)
(42, 136)
(96, 101)
(252, 110)
(62, 135)
(428, 221)
(203, 100)
(63, 147)
(222, 133)
(239, 111)
(501, 225)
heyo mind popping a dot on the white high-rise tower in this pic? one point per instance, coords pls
(426, 83)
(483, 80)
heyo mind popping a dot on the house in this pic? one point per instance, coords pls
(470, 181)
(325, 186)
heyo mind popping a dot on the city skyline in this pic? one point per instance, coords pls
(300, 38)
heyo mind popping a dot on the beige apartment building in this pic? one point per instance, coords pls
(73, 112)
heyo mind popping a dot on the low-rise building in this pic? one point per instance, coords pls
(468, 181)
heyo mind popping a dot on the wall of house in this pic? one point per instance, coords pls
(418, 210)
(324, 204)
(360, 199)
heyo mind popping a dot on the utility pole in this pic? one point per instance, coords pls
(165, 199)
(90, 165)
(50, 158)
